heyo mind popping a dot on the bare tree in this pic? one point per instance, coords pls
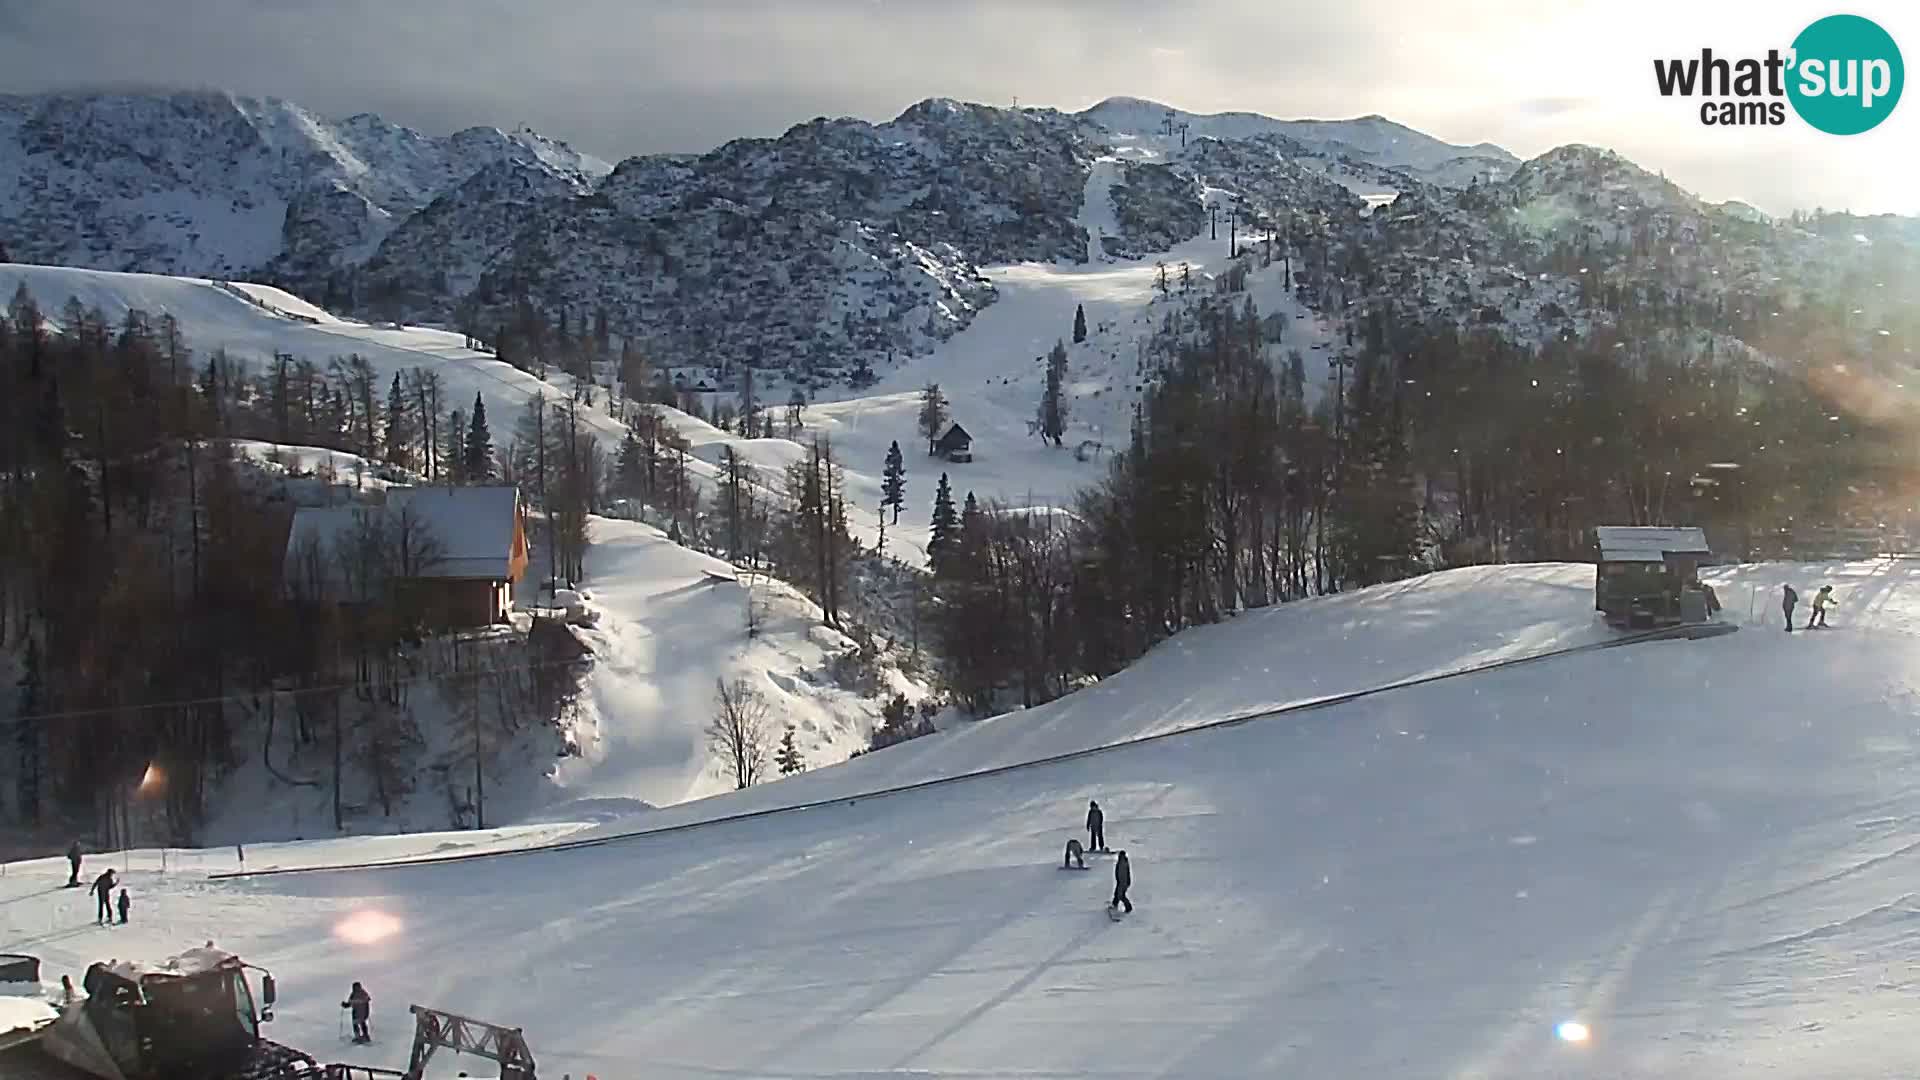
(740, 733)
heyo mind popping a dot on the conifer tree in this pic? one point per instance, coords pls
(788, 757)
(479, 450)
(1079, 323)
(945, 529)
(893, 481)
(1053, 405)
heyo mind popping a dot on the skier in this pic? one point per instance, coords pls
(1821, 601)
(1074, 855)
(1788, 598)
(361, 1005)
(124, 904)
(103, 889)
(73, 860)
(1122, 878)
(1096, 831)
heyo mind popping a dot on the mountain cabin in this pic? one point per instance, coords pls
(448, 556)
(1647, 576)
(954, 444)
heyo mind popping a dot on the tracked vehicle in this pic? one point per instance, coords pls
(195, 1017)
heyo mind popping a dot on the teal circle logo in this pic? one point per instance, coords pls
(1846, 76)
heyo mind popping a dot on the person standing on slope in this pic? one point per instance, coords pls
(1122, 880)
(73, 860)
(1788, 598)
(360, 1004)
(1096, 827)
(1821, 601)
(103, 889)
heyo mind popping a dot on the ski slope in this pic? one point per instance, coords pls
(994, 372)
(1701, 851)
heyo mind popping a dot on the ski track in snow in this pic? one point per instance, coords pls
(1334, 893)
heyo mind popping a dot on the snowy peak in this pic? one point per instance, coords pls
(1372, 138)
(1591, 184)
(212, 183)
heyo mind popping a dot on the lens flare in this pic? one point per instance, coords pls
(1572, 1031)
(366, 927)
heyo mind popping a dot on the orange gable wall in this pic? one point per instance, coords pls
(517, 560)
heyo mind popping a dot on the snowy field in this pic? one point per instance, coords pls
(1701, 851)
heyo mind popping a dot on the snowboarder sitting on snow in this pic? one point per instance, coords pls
(73, 859)
(103, 889)
(1788, 598)
(1122, 879)
(124, 904)
(1821, 601)
(1096, 831)
(1074, 855)
(361, 1004)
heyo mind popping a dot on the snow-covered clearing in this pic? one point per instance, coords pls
(673, 626)
(994, 372)
(1699, 850)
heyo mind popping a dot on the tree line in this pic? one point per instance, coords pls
(1429, 448)
(147, 592)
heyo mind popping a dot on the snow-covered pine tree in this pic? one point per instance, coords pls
(1079, 323)
(893, 481)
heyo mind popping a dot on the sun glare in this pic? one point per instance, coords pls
(1572, 1031)
(366, 927)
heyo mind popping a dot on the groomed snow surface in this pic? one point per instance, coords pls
(1701, 851)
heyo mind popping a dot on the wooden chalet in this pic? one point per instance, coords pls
(954, 444)
(449, 556)
(1644, 575)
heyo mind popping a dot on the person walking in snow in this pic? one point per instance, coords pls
(1075, 855)
(103, 890)
(1096, 827)
(73, 860)
(360, 1004)
(124, 904)
(1122, 880)
(1821, 601)
(1788, 598)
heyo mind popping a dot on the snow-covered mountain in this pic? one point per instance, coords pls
(843, 246)
(1373, 140)
(215, 184)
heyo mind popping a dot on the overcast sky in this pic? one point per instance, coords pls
(619, 77)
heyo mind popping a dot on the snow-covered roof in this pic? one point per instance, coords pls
(195, 961)
(17, 1012)
(1648, 543)
(954, 431)
(473, 528)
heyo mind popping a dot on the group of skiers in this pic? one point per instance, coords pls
(1097, 842)
(359, 1004)
(102, 890)
(1822, 600)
